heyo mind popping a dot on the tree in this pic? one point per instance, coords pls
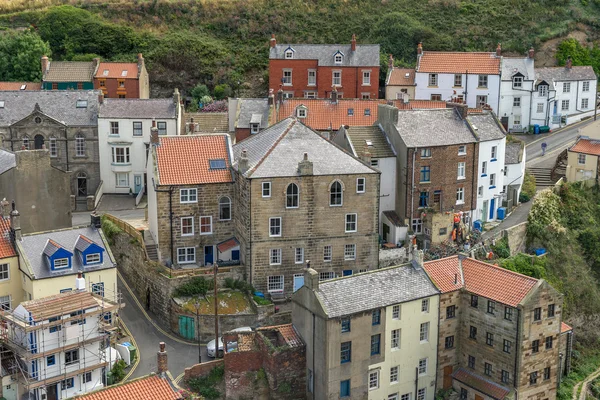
(198, 92)
(20, 54)
(222, 91)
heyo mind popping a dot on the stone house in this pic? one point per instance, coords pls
(500, 332)
(191, 204)
(582, 161)
(369, 336)
(68, 75)
(400, 83)
(300, 197)
(64, 122)
(123, 80)
(312, 70)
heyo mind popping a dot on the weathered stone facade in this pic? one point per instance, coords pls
(449, 328)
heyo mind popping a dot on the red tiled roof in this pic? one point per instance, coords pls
(322, 114)
(443, 272)
(6, 246)
(418, 104)
(18, 85)
(228, 244)
(115, 70)
(152, 387)
(480, 384)
(401, 77)
(565, 328)
(184, 160)
(288, 333)
(586, 146)
(459, 63)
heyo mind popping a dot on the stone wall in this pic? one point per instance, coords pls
(517, 238)
(199, 370)
(449, 327)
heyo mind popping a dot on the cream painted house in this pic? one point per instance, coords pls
(11, 292)
(582, 161)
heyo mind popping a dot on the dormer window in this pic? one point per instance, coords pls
(338, 58)
(93, 258)
(124, 72)
(289, 54)
(517, 82)
(301, 112)
(254, 128)
(89, 252)
(542, 90)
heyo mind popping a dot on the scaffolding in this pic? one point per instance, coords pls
(74, 320)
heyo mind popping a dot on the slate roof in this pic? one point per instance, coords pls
(34, 246)
(59, 304)
(359, 136)
(394, 218)
(19, 85)
(7, 160)
(138, 108)
(276, 151)
(115, 70)
(559, 74)
(185, 160)
(249, 108)
(511, 153)
(370, 290)
(151, 387)
(480, 384)
(70, 71)
(52, 247)
(513, 65)
(480, 278)
(401, 77)
(323, 114)
(366, 55)
(6, 246)
(425, 128)
(418, 104)
(83, 243)
(486, 126)
(60, 105)
(454, 62)
(586, 146)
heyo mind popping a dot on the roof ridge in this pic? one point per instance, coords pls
(499, 268)
(339, 278)
(275, 143)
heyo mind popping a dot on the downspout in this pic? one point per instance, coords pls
(467, 88)
(12, 146)
(530, 103)
(250, 228)
(550, 100)
(412, 185)
(313, 355)
(357, 83)
(475, 190)
(437, 359)
(67, 149)
(518, 351)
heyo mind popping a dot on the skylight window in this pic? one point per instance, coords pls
(23, 87)
(1, 103)
(105, 72)
(369, 143)
(124, 73)
(217, 164)
(81, 103)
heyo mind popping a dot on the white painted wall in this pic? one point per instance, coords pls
(554, 100)
(483, 180)
(446, 88)
(152, 204)
(387, 190)
(137, 150)
(515, 174)
(520, 113)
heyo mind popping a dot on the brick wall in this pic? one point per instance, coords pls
(241, 134)
(199, 370)
(132, 88)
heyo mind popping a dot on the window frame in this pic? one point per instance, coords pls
(566, 87)
(585, 103)
(366, 78)
(537, 314)
(292, 200)
(432, 80)
(424, 332)
(345, 352)
(482, 81)
(267, 186)
(506, 346)
(327, 253)
(517, 82)
(373, 379)
(425, 174)
(395, 339)
(464, 150)
(361, 185)
(540, 108)
(4, 270)
(275, 257)
(351, 225)
(189, 257)
(275, 230)
(346, 325)
(334, 196)
(394, 376)
(140, 129)
(349, 256)
(336, 78)
(279, 280)
(225, 207)
(451, 311)
(376, 317)
(188, 195)
(314, 80)
(564, 105)
(114, 128)
(396, 310)
(488, 369)
(553, 308)
(301, 254)
(449, 342)
(457, 80)
(489, 339)
(286, 77)
(460, 195)
(585, 86)
(423, 366)
(125, 156)
(186, 226)
(491, 307)
(376, 344)
(462, 167)
(203, 224)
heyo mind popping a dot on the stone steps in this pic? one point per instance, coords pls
(152, 252)
(542, 176)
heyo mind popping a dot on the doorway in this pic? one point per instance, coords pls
(298, 281)
(51, 392)
(485, 211)
(447, 377)
(38, 142)
(82, 185)
(137, 182)
(504, 122)
(386, 233)
(492, 208)
(208, 255)
(186, 327)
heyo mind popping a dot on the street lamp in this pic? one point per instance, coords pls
(197, 307)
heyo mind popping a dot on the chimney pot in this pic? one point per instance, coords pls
(273, 41)
(353, 42)
(499, 50)
(243, 161)
(420, 48)
(531, 53)
(5, 205)
(154, 134)
(15, 222)
(162, 360)
(569, 63)
(334, 95)
(391, 62)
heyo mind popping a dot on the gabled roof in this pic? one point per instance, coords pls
(486, 126)
(480, 278)
(517, 65)
(185, 160)
(366, 55)
(323, 114)
(59, 304)
(7, 249)
(371, 137)
(251, 109)
(118, 70)
(52, 247)
(151, 387)
(276, 151)
(560, 74)
(401, 77)
(585, 145)
(83, 243)
(138, 108)
(70, 71)
(481, 384)
(454, 62)
(20, 86)
(374, 289)
(565, 328)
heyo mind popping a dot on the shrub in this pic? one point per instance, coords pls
(110, 229)
(197, 286)
(222, 91)
(205, 385)
(501, 248)
(199, 91)
(118, 371)
(238, 284)
(528, 188)
(261, 301)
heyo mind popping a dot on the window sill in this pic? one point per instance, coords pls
(433, 87)
(460, 203)
(493, 159)
(461, 178)
(366, 84)
(350, 231)
(206, 233)
(492, 187)
(462, 154)
(482, 87)
(349, 259)
(425, 182)
(456, 87)
(483, 175)
(188, 235)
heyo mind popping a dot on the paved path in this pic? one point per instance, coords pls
(133, 216)
(584, 384)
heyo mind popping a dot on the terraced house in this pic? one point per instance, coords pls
(501, 333)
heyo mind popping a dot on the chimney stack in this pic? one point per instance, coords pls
(141, 62)
(531, 53)
(243, 162)
(417, 258)
(176, 97)
(79, 282)
(420, 49)
(15, 222)
(45, 65)
(305, 167)
(96, 63)
(271, 98)
(95, 220)
(334, 95)
(311, 279)
(154, 134)
(273, 41)
(5, 205)
(162, 360)
(461, 108)
(353, 42)
(569, 63)
(391, 62)
(498, 50)
(101, 97)
(280, 96)
(366, 155)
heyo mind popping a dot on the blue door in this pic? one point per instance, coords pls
(208, 255)
(346, 272)
(298, 281)
(492, 208)
(137, 182)
(235, 255)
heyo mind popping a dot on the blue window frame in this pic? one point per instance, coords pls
(346, 352)
(345, 388)
(67, 384)
(345, 325)
(50, 360)
(425, 174)
(376, 318)
(424, 199)
(375, 344)
(55, 328)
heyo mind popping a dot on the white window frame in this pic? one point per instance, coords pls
(481, 100)
(210, 224)
(492, 179)
(53, 147)
(275, 284)
(585, 86)
(186, 255)
(366, 78)
(90, 258)
(266, 186)
(114, 128)
(516, 101)
(460, 195)
(301, 112)
(394, 375)
(289, 54)
(336, 81)
(327, 253)
(462, 150)
(123, 183)
(299, 255)
(254, 128)
(140, 130)
(416, 225)
(564, 105)
(484, 168)
(187, 195)
(396, 310)
(274, 256)
(540, 108)
(187, 223)
(585, 103)
(374, 380)
(395, 339)
(542, 90)
(327, 275)
(516, 120)
(341, 194)
(273, 226)
(422, 393)
(223, 205)
(433, 80)
(461, 170)
(126, 156)
(162, 128)
(425, 306)
(581, 157)
(351, 222)
(5, 272)
(312, 79)
(285, 80)
(480, 191)
(424, 332)
(361, 184)
(6, 302)
(349, 252)
(310, 95)
(79, 145)
(338, 58)
(517, 81)
(566, 87)
(374, 163)
(457, 80)
(405, 396)
(494, 152)
(482, 81)
(423, 366)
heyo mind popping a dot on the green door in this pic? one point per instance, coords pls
(186, 327)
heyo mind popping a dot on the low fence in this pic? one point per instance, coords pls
(140, 195)
(98, 194)
(130, 230)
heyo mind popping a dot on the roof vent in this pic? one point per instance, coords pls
(23, 87)
(124, 73)
(1, 103)
(81, 103)
(475, 128)
(369, 143)
(105, 72)
(406, 75)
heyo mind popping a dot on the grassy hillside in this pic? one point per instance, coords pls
(227, 40)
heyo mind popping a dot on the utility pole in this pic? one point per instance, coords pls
(216, 267)
(197, 306)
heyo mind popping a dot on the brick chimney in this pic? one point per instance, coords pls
(420, 49)
(461, 108)
(334, 95)
(366, 154)
(531, 53)
(15, 222)
(391, 62)
(243, 162)
(305, 167)
(162, 360)
(311, 279)
(154, 134)
(353, 42)
(96, 64)
(101, 97)
(271, 98)
(280, 96)
(498, 50)
(5, 206)
(45, 65)
(273, 41)
(569, 63)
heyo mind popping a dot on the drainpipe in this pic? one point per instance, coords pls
(475, 188)
(313, 355)
(412, 196)
(517, 353)
(416, 382)
(67, 149)
(466, 92)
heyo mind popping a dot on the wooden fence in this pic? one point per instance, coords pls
(130, 230)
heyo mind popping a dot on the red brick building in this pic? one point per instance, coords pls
(311, 70)
(123, 80)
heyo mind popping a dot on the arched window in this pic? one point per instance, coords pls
(336, 195)
(25, 142)
(224, 208)
(292, 196)
(79, 145)
(38, 142)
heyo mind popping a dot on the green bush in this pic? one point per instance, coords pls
(20, 54)
(501, 248)
(197, 286)
(528, 188)
(118, 371)
(261, 301)
(222, 91)
(205, 385)
(110, 229)
(238, 284)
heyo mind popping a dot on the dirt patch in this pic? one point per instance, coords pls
(229, 303)
(546, 55)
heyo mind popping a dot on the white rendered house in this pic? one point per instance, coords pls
(514, 172)
(516, 93)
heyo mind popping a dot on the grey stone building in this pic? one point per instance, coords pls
(64, 122)
(40, 190)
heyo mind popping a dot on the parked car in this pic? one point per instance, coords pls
(210, 347)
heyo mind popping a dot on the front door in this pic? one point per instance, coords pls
(298, 281)
(51, 392)
(478, 397)
(447, 377)
(235, 255)
(492, 208)
(38, 142)
(186, 327)
(137, 182)
(347, 272)
(386, 233)
(485, 210)
(81, 185)
(208, 255)
(504, 122)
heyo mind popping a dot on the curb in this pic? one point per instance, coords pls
(559, 130)
(137, 359)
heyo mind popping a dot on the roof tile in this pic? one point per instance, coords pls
(401, 77)
(418, 104)
(365, 55)
(372, 137)
(586, 146)
(70, 71)
(19, 85)
(565, 328)
(323, 114)
(116, 69)
(481, 384)
(288, 333)
(6, 247)
(459, 63)
(151, 387)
